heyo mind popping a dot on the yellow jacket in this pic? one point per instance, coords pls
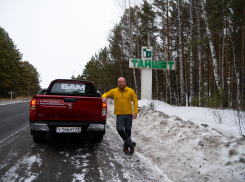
(122, 100)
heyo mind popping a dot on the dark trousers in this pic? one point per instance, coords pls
(124, 125)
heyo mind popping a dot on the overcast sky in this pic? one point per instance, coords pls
(58, 37)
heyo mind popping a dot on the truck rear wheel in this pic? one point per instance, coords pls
(39, 138)
(97, 138)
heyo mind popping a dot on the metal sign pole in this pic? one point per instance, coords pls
(146, 74)
(11, 95)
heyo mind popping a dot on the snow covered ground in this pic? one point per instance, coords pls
(174, 141)
(14, 101)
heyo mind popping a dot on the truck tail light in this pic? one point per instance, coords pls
(33, 108)
(104, 111)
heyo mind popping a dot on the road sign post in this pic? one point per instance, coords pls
(11, 92)
(146, 74)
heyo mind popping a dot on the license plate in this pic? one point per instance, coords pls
(68, 130)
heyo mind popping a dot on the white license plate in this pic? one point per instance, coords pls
(68, 130)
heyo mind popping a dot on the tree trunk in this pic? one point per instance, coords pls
(199, 53)
(241, 63)
(234, 79)
(130, 44)
(168, 79)
(191, 57)
(226, 62)
(182, 81)
(213, 53)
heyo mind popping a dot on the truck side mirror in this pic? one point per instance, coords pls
(98, 94)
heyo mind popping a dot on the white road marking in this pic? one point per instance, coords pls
(14, 134)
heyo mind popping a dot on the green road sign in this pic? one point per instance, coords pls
(146, 53)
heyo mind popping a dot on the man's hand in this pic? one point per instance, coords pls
(134, 116)
(104, 99)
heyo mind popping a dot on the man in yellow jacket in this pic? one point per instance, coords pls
(123, 96)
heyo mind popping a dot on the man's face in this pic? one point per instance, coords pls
(121, 83)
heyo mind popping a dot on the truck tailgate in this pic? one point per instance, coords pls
(68, 108)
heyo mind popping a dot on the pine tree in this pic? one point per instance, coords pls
(15, 75)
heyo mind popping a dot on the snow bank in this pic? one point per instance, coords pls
(14, 101)
(200, 115)
(174, 140)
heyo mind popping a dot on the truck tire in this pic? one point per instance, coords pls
(39, 138)
(97, 138)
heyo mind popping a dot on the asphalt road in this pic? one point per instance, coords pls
(13, 117)
(63, 157)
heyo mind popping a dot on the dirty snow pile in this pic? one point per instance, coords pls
(187, 143)
(14, 101)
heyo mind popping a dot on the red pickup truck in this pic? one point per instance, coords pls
(68, 106)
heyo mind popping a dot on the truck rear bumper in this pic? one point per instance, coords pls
(37, 128)
(97, 129)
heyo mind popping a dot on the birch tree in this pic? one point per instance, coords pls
(212, 48)
(181, 67)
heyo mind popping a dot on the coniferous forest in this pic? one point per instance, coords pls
(205, 38)
(15, 75)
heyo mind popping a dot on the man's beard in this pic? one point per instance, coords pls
(122, 87)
